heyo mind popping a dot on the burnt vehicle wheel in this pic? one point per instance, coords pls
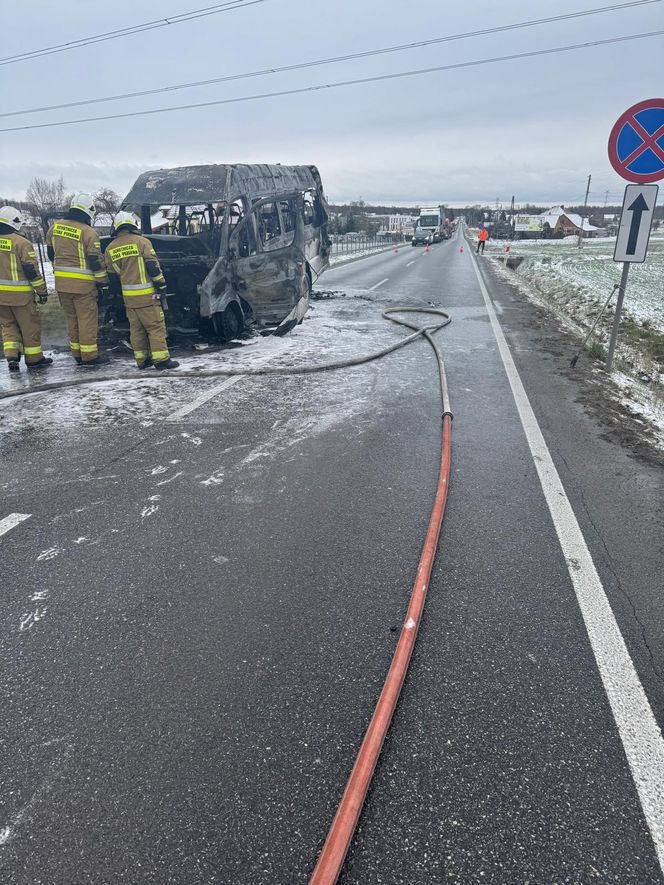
(228, 324)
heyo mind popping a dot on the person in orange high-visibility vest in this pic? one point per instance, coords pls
(484, 236)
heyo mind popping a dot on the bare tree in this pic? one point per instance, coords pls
(107, 201)
(46, 200)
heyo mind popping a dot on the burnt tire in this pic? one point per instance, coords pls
(229, 323)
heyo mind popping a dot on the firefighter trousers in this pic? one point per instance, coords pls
(81, 315)
(21, 331)
(147, 333)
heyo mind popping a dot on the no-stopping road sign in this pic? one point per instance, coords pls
(635, 223)
(636, 142)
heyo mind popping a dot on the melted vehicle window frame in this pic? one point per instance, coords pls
(246, 225)
(277, 242)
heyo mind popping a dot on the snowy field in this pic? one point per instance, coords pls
(575, 283)
(581, 278)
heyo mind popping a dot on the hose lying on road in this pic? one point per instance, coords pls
(426, 331)
(333, 854)
(345, 821)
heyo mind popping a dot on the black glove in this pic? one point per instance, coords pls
(161, 288)
(104, 293)
(43, 298)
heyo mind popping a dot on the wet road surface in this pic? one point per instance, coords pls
(200, 607)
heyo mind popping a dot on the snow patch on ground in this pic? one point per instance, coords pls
(576, 304)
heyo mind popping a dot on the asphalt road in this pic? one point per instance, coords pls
(200, 609)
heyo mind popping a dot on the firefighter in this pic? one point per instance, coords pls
(132, 258)
(74, 248)
(481, 242)
(20, 283)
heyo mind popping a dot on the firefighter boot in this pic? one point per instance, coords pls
(90, 364)
(13, 366)
(167, 364)
(43, 363)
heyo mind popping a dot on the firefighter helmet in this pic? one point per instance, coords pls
(123, 218)
(84, 203)
(11, 216)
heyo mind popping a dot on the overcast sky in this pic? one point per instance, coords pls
(534, 128)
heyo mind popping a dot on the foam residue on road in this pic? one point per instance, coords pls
(339, 325)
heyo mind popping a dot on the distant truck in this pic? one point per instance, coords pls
(432, 220)
(239, 245)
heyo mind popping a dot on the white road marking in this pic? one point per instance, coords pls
(213, 391)
(639, 732)
(14, 519)
(410, 262)
(203, 398)
(371, 288)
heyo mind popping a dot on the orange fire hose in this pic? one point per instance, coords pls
(345, 820)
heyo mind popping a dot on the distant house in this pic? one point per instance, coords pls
(571, 224)
(555, 222)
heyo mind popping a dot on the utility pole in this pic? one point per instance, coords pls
(512, 218)
(583, 214)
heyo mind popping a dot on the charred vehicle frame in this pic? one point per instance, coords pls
(245, 243)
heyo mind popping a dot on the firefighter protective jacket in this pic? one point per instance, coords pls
(133, 259)
(20, 276)
(78, 263)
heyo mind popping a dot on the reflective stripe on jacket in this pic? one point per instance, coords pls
(133, 259)
(20, 275)
(78, 264)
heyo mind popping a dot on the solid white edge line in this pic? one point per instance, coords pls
(371, 288)
(639, 732)
(12, 520)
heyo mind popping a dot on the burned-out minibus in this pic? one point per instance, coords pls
(239, 245)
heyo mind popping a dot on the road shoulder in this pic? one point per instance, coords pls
(611, 470)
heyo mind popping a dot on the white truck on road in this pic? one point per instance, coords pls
(432, 220)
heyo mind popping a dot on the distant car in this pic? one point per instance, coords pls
(437, 236)
(422, 237)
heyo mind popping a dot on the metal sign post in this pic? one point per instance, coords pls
(632, 244)
(636, 152)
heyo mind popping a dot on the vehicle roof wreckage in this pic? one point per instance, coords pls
(242, 244)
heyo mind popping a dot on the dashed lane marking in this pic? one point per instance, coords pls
(213, 391)
(14, 519)
(639, 732)
(410, 262)
(371, 288)
(203, 398)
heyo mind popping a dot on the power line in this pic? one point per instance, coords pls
(228, 6)
(325, 61)
(356, 82)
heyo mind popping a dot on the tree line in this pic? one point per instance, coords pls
(47, 199)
